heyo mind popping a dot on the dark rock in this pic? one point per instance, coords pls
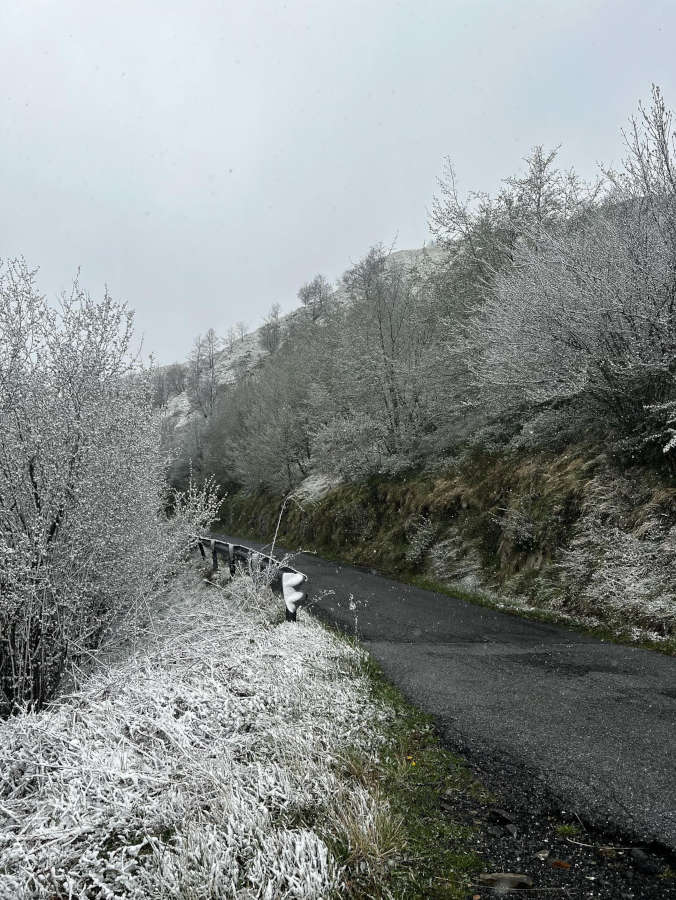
(501, 816)
(505, 880)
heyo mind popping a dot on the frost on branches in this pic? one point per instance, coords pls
(83, 537)
(585, 315)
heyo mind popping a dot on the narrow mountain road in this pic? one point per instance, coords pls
(592, 723)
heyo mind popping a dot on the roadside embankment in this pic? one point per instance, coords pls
(209, 763)
(567, 537)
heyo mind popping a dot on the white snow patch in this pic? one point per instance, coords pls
(314, 487)
(178, 409)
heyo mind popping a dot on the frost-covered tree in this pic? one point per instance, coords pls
(160, 388)
(83, 536)
(376, 385)
(202, 381)
(261, 434)
(176, 379)
(587, 311)
(270, 332)
(240, 328)
(315, 296)
(479, 232)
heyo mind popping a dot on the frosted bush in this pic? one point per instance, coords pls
(621, 574)
(516, 525)
(420, 534)
(552, 428)
(352, 447)
(454, 560)
(83, 533)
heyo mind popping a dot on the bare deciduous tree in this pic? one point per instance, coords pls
(270, 334)
(240, 328)
(202, 381)
(314, 295)
(176, 379)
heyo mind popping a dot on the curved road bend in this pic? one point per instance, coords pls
(595, 722)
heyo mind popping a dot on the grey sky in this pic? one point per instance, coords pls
(204, 159)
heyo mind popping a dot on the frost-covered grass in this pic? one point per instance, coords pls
(209, 764)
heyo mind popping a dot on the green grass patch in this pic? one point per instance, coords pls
(426, 787)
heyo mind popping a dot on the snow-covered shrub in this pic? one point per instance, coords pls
(616, 572)
(552, 428)
(662, 418)
(493, 436)
(352, 447)
(516, 526)
(207, 766)
(453, 559)
(420, 534)
(83, 536)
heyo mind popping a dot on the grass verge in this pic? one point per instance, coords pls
(422, 783)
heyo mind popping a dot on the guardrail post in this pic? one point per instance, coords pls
(292, 596)
(291, 579)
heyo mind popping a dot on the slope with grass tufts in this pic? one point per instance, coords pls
(206, 765)
(568, 537)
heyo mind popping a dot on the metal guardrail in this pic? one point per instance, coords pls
(286, 577)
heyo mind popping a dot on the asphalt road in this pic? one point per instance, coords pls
(592, 722)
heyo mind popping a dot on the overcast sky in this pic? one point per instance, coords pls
(204, 159)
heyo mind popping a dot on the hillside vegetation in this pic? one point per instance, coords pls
(537, 532)
(499, 408)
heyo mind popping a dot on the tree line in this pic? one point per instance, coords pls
(536, 317)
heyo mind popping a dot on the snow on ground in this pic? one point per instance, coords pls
(241, 357)
(315, 487)
(178, 408)
(204, 766)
